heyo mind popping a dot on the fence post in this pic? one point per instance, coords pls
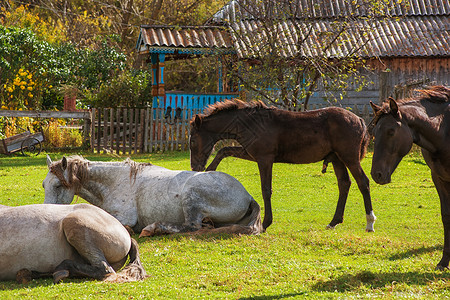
(141, 130)
(111, 129)
(87, 131)
(124, 129)
(152, 129)
(118, 130)
(93, 129)
(105, 130)
(161, 128)
(99, 133)
(146, 128)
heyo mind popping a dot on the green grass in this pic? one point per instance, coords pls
(296, 258)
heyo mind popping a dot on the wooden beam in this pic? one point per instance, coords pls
(46, 114)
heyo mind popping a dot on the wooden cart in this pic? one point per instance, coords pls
(28, 143)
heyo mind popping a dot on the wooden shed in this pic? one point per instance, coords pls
(158, 43)
(409, 47)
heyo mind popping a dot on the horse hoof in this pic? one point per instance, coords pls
(370, 230)
(149, 230)
(23, 276)
(331, 227)
(60, 275)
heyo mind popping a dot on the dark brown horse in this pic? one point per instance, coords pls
(425, 121)
(269, 135)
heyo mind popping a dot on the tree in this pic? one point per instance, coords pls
(31, 68)
(286, 52)
(82, 21)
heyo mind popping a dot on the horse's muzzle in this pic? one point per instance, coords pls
(380, 177)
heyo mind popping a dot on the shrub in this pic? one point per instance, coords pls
(59, 137)
(11, 126)
(129, 89)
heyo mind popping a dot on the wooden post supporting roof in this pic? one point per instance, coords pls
(158, 87)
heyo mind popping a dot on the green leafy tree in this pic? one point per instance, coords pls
(31, 68)
(285, 54)
(28, 66)
(129, 89)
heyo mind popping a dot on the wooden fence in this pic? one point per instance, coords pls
(145, 130)
(139, 130)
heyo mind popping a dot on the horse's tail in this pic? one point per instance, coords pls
(365, 139)
(134, 271)
(254, 218)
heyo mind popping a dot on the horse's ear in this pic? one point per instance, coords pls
(197, 122)
(49, 161)
(375, 107)
(64, 163)
(394, 107)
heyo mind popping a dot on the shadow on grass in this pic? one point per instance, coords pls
(38, 283)
(21, 161)
(420, 162)
(207, 237)
(18, 160)
(415, 252)
(351, 282)
(281, 296)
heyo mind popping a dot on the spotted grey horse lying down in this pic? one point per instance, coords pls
(154, 200)
(65, 241)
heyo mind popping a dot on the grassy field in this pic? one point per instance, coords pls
(296, 258)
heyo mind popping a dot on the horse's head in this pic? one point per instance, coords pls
(201, 144)
(393, 140)
(55, 184)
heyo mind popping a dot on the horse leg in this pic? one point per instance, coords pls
(193, 217)
(238, 152)
(207, 227)
(71, 268)
(443, 189)
(265, 173)
(163, 228)
(84, 237)
(24, 276)
(364, 188)
(344, 182)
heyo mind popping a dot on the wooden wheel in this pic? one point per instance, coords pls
(31, 147)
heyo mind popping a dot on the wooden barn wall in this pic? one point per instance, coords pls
(409, 72)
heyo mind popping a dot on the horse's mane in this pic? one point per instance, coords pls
(230, 105)
(77, 170)
(434, 94)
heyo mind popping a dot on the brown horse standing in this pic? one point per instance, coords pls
(271, 135)
(425, 121)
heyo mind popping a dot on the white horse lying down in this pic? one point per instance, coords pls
(65, 241)
(153, 199)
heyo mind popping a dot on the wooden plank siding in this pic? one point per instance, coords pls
(389, 75)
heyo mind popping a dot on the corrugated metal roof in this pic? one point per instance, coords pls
(411, 28)
(175, 38)
(387, 38)
(421, 28)
(237, 10)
